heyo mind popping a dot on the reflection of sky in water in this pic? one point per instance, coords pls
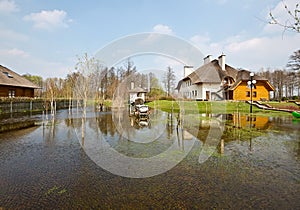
(45, 167)
(131, 128)
(137, 153)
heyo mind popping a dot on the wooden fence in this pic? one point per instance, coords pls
(19, 105)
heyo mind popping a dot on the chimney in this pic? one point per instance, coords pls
(222, 61)
(131, 85)
(207, 59)
(188, 70)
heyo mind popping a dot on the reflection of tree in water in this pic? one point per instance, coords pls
(105, 124)
(170, 124)
(49, 130)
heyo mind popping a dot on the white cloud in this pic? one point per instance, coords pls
(8, 6)
(200, 39)
(252, 53)
(17, 52)
(271, 48)
(206, 45)
(13, 52)
(202, 42)
(263, 51)
(49, 20)
(164, 29)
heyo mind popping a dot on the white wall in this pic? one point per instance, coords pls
(198, 91)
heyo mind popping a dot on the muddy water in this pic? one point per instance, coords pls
(254, 164)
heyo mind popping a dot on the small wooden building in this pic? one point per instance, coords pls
(241, 91)
(14, 85)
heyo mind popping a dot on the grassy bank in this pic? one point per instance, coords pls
(216, 107)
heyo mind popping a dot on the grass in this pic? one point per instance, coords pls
(216, 107)
(284, 105)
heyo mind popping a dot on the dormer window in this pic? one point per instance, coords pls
(8, 75)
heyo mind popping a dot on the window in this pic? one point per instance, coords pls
(11, 93)
(248, 94)
(195, 92)
(254, 94)
(8, 75)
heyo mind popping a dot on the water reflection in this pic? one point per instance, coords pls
(115, 145)
(32, 166)
(124, 132)
(145, 138)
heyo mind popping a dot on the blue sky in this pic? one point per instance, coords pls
(45, 37)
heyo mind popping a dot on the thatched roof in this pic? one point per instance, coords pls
(210, 73)
(10, 78)
(244, 75)
(138, 90)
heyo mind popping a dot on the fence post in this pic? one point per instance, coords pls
(11, 108)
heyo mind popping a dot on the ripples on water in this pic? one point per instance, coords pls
(47, 167)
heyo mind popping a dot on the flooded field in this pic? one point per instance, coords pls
(165, 162)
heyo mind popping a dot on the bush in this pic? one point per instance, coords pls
(167, 98)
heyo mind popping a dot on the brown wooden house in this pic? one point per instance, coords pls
(241, 91)
(14, 85)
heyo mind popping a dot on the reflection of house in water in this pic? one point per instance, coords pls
(243, 121)
(139, 123)
(232, 127)
(200, 126)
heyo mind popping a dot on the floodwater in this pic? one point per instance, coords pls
(168, 161)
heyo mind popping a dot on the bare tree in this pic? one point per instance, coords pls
(169, 80)
(129, 67)
(294, 66)
(86, 67)
(69, 86)
(292, 23)
(278, 78)
(285, 82)
(294, 61)
(52, 91)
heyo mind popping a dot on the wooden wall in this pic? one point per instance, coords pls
(262, 93)
(19, 91)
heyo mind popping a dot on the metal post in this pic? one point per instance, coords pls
(251, 83)
(251, 95)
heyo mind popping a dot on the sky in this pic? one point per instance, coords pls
(46, 38)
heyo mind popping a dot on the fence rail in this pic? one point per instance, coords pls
(19, 105)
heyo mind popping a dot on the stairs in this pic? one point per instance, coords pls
(268, 107)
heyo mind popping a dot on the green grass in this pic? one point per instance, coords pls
(216, 107)
(283, 105)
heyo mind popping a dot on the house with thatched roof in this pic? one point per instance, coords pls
(216, 80)
(14, 85)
